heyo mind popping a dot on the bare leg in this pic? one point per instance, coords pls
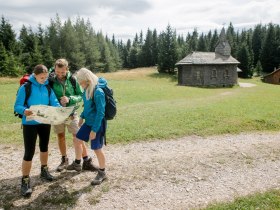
(62, 143)
(78, 144)
(84, 148)
(44, 158)
(100, 157)
(26, 167)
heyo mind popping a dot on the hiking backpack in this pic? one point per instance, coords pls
(27, 88)
(111, 103)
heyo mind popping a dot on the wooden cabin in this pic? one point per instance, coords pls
(209, 69)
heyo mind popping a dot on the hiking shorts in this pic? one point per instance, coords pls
(98, 142)
(72, 126)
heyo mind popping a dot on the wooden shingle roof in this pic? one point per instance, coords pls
(201, 58)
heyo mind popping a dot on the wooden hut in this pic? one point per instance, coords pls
(209, 69)
(273, 77)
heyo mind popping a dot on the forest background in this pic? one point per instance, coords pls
(257, 49)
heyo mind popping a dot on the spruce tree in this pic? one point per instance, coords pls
(269, 50)
(4, 64)
(167, 51)
(244, 58)
(257, 39)
(7, 35)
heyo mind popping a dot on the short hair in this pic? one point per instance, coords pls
(39, 69)
(61, 63)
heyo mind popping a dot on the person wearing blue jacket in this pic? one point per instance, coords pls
(92, 121)
(39, 96)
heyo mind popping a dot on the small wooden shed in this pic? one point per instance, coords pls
(209, 69)
(273, 77)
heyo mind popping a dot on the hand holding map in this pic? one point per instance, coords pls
(51, 115)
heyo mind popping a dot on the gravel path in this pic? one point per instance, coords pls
(184, 173)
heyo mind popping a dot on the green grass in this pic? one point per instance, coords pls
(264, 201)
(153, 106)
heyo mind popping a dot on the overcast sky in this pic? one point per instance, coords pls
(125, 18)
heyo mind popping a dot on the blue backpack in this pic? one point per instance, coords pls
(111, 103)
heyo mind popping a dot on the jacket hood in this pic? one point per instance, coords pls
(34, 81)
(102, 82)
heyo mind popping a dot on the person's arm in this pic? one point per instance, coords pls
(74, 99)
(19, 106)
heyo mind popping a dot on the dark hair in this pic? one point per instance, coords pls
(39, 69)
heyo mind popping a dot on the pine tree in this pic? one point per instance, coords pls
(258, 69)
(214, 40)
(257, 43)
(167, 51)
(269, 50)
(201, 45)
(70, 46)
(7, 35)
(4, 64)
(147, 50)
(244, 58)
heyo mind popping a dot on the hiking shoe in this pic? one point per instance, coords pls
(64, 163)
(45, 174)
(100, 177)
(74, 166)
(88, 165)
(25, 188)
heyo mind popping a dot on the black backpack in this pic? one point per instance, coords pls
(27, 87)
(111, 103)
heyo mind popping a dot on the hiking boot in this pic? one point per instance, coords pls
(45, 174)
(64, 163)
(25, 188)
(74, 166)
(100, 177)
(88, 165)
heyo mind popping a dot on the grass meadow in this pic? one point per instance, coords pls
(152, 106)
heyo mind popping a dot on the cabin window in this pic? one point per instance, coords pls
(214, 74)
(198, 75)
(226, 74)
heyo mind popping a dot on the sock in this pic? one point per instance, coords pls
(27, 176)
(43, 166)
(64, 158)
(85, 158)
(77, 161)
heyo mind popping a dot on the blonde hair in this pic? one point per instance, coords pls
(87, 76)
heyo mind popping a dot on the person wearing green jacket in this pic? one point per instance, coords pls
(68, 93)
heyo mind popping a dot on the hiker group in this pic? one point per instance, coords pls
(58, 87)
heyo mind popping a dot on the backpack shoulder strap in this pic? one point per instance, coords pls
(27, 87)
(73, 82)
(49, 92)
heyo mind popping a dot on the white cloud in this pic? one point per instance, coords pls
(125, 18)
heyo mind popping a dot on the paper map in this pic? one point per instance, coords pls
(51, 115)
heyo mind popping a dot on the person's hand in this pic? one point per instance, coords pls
(92, 135)
(28, 112)
(81, 121)
(64, 100)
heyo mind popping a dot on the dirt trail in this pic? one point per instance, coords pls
(184, 173)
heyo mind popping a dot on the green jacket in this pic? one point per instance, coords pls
(67, 90)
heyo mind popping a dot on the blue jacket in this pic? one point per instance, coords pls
(94, 112)
(39, 96)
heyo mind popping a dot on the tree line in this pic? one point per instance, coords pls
(257, 49)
